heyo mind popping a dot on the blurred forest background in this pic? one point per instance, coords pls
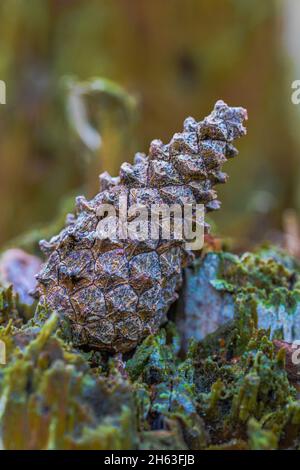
(158, 61)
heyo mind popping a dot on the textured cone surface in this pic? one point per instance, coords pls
(115, 292)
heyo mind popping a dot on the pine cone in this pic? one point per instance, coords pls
(115, 292)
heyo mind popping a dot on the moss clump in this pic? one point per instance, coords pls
(265, 288)
(165, 391)
(231, 392)
(12, 310)
(51, 399)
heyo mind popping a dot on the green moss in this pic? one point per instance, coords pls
(230, 391)
(266, 291)
(57, 401)
(165, 391)
(12, 310)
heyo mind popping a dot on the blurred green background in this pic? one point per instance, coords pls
(174, 58)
